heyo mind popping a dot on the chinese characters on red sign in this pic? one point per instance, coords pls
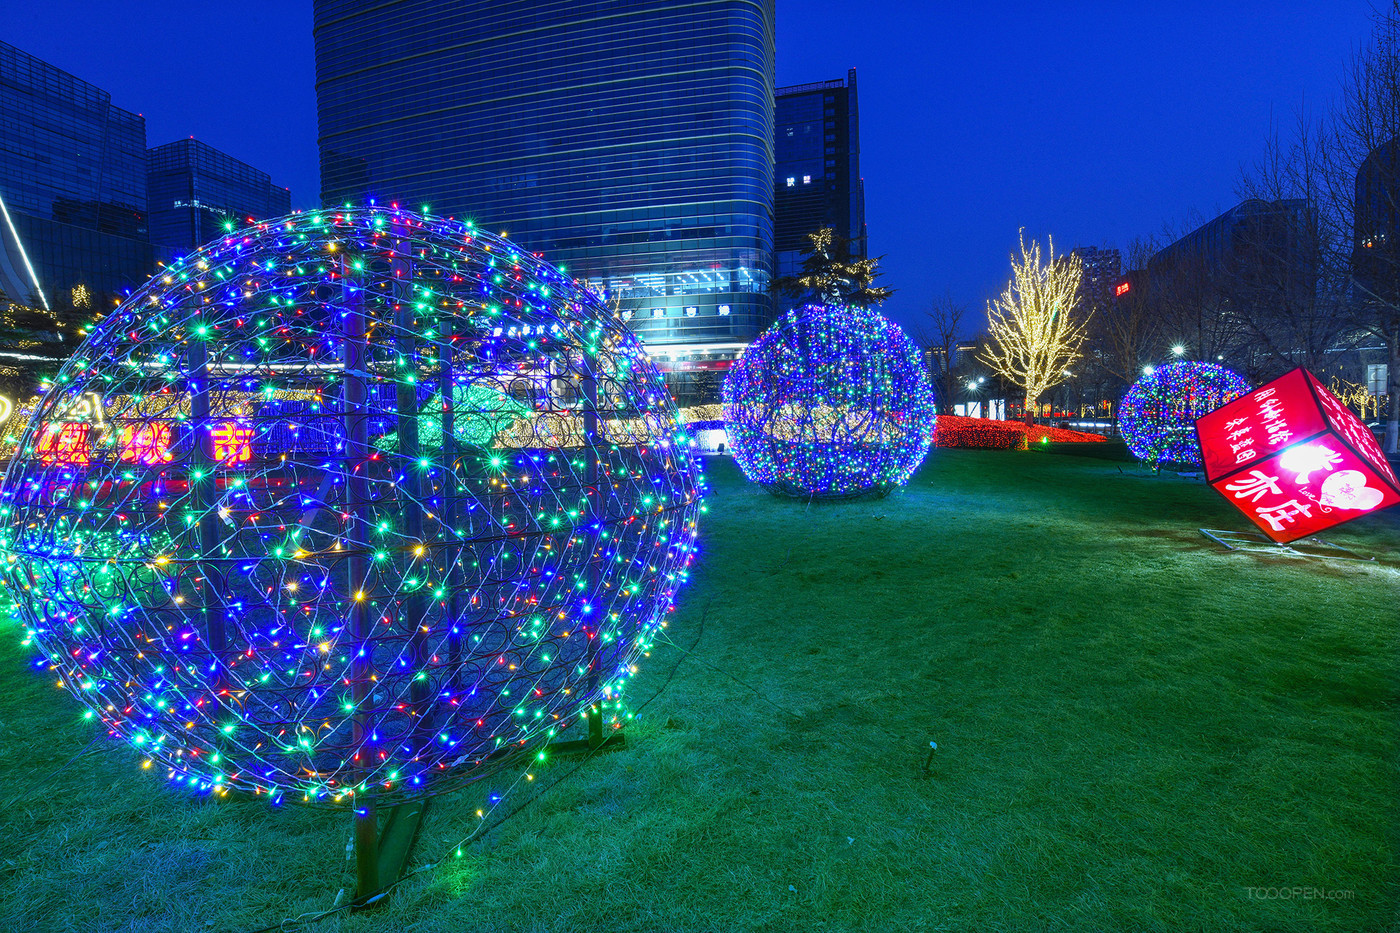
(146, 443)
(1294, 459)
(232, 442)
(65, 442)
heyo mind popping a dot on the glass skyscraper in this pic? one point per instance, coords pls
(73, 182)
(193, 190)
(630, 141)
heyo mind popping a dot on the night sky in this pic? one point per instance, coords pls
(1094, 122)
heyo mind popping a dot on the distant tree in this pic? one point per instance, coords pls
(1036, 327)
(940, 340)
(831, 275)
(1347, 165)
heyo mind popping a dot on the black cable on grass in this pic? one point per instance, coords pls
(291, 924)
(90, 747)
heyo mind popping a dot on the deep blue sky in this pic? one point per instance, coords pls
(1096, 122)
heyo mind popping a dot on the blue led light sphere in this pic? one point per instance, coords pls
(351, 501)
(830, 402)
(1158, 415)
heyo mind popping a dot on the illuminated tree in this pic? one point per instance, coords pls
(831, 275)
(1035, 327)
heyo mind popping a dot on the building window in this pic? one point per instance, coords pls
(724, 310)
(791, 181)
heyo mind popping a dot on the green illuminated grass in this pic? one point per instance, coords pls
(1134, 728)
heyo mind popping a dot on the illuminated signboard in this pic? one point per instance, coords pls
(1294, 459)
(65, 442)
(1121, 289)
(146, 443)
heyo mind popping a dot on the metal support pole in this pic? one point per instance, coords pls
(591, 474)
(357, 545)
(204, 494)
(450, 503)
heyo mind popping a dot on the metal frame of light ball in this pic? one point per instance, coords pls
(1157, 416)
(349, 501)
(830, 403)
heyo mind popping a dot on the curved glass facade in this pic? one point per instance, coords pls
(630, 141)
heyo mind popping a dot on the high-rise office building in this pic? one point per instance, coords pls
(629, 141)
(817, 180)
(193, 191)
(73, 184)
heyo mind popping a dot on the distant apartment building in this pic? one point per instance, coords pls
(817, 180)
(629, 142)
(73, 229)
(195, 192)
(1102, 271)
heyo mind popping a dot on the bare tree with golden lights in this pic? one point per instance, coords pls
(1035, 327)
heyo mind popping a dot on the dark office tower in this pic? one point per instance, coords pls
(194, 191)
(817, 179)
(73, 185)
(630, 141)
(1375, 256)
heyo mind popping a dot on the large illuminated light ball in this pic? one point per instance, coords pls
(1157, 417)
(830, 402)
(357, 501)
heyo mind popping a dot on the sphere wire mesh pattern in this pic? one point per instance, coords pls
(1157, 417)
(350, 501)
(831, 402)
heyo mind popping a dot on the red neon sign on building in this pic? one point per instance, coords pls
(65, 442)
(146, 443)
(1121, 289)
(1294, 459)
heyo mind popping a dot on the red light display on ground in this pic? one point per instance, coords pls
(1294, 459)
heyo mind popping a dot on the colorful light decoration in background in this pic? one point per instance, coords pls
(829, 402)
(1294, 459)
(1158, 415)
(350, 501)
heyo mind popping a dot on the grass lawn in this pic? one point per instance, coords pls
(1135, 731)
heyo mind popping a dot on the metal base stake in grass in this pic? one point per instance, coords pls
(1259, 543)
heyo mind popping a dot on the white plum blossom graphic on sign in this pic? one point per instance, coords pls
(1347, 489)
(1306, 459)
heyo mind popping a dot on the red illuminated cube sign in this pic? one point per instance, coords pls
(1294, 459)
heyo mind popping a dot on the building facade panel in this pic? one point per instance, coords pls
(194, 191)
(629, 141)
(817, 181)
(73, 181)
